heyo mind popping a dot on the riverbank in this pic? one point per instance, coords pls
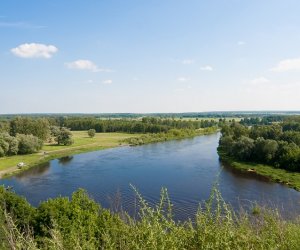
(173, 134)
(82, 143)
(79, 222)
(291, 179)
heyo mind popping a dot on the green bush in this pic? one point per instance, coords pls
(29, 144)
(8, 145)
(91, 133)
(276, 144)
(81, 223)
(64, 137)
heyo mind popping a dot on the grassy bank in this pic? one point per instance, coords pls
(291, 179)
(82, 143)
(81, 223)
(173, 134)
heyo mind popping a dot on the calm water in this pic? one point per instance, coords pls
(187, 168)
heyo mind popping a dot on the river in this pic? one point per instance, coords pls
(187, 168)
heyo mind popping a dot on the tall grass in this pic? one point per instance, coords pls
(80, 223)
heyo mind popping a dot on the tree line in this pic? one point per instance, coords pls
(144, 125)
(277, 145)
(24, 135)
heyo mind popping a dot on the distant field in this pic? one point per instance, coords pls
(237, 119)
(82, 143)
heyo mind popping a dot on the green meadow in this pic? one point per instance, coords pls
(82, 143)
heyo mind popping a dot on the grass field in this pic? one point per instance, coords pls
(291, 179)
(237, 119)
(82, 143)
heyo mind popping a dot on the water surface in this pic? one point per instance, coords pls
(187, 168)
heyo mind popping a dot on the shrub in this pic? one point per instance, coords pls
(91, 133)
(64, 137)
(4, 146)
(80, 223)
(8, 144)
(29, 144)
(243, 148)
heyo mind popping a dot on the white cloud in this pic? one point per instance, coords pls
(274, 89)
(21, 25)
(241, 43)
(34, 50)
(187, 61)
(88, 65)
(206, 68)
(287, 65)
(259, 81)
(183, 79)
(109, 81)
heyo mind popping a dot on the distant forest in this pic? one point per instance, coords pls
(276, 144)
(217, 114)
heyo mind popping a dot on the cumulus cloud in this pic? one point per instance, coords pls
(183, 79)
(187, 61)
(21, 25)
(34, 50)
(287, 65)
(88, 65)
(109, 81)
(259, 81)
(206, 68)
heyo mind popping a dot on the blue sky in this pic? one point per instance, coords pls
(149, 56)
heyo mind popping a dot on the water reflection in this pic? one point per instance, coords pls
(187, 168)
(35, 171)
(66, 160)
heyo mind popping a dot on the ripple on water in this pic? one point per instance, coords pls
(187, 168)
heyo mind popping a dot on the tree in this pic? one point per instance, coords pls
(28, 126)
(8, 144)
(64, 137)
(243, 148)
(265, 150)
(226, 144)
(54, 131)
(239, 130)
(91, 132)
(29, 144)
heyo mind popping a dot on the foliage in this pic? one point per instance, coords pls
(29, 144)
(28, 126)
(145, 125)
(54, 131)
(64, 137)
(12, 144)
(81, 223)
(276, 144)
(4, 126)
(91, 133)
(22, 144)
(170, 135)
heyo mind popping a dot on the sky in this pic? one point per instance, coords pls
(138, 56)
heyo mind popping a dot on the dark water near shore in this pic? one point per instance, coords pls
(187, 168)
